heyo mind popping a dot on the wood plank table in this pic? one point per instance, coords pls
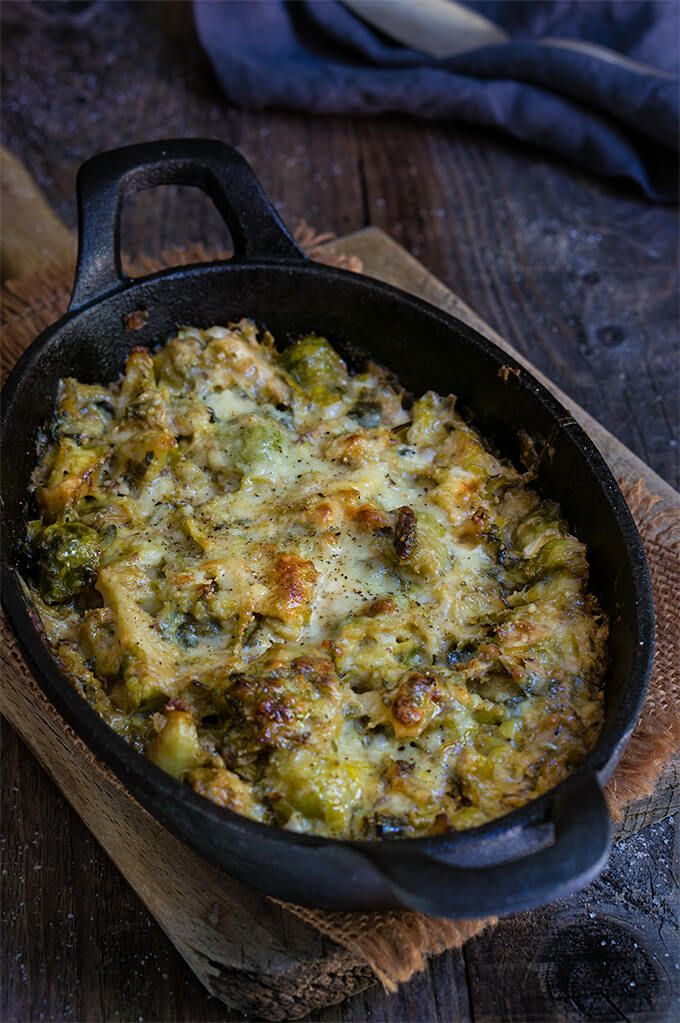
(578, 276)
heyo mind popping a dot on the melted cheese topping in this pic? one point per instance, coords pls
(319, 604)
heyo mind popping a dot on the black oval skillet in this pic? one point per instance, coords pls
(532, 855)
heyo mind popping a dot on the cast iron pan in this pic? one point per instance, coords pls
(534, 854)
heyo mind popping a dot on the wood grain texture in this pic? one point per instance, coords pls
(579, 276)
(33, 237)
(610, 953)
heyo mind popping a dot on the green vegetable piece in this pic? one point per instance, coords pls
(176, 748)
(316, 785)
(67, 556)
(430, 555)
(366, 413)
(510, 728)
(563, 553)
(85, 411)
(461, 654)
(253, 444)
(488, 715)
(316, 366)
(430, 415)
(534, 529)
(261, 443)
(190, 631)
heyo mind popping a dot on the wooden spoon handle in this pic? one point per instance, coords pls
(33, 237)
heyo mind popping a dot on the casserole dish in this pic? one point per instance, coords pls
(527, 857)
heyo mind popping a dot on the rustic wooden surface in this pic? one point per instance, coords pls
(579, 276)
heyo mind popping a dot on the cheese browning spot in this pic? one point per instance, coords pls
(314, 607)
(293, 579)
(405, 533)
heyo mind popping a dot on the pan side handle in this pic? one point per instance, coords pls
(542, 862)
(218, 169)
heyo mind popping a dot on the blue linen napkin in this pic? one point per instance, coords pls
(616, 118)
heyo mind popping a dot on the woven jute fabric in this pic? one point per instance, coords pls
(396, 944)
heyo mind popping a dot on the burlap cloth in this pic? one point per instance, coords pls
(396, 944)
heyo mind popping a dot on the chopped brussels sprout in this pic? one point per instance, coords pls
(67, 556)
(534, 529)
(561, 554)
(460, 654)
(176, 747)
(312, 785)
(366, 413)
(252, 445)
(430, 415)
(85, 411)
(225, 788)
(74, 473)
(317, 367)
(430, 556)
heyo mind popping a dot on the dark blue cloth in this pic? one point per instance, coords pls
(317, 56)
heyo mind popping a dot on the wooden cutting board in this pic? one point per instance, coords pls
(247, 950)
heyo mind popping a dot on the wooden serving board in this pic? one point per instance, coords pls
(247, 950)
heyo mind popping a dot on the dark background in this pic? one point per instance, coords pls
(579, 275)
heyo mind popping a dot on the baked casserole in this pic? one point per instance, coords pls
(318, 602)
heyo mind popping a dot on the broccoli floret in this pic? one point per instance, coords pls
(67, 557)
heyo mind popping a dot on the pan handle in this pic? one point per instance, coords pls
(542, 862)
(216, 168)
